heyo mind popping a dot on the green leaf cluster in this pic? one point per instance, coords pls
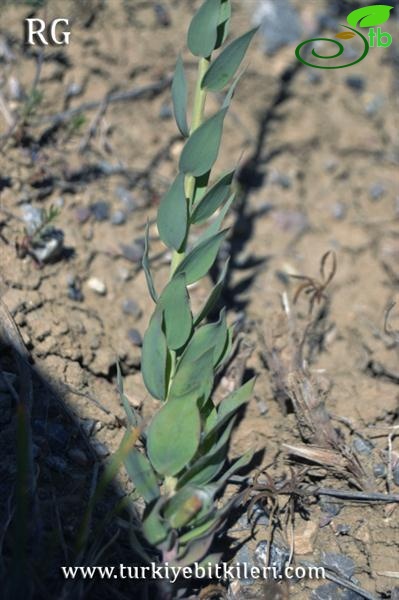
(180, 469)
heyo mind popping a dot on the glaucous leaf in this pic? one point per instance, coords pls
(210, 337)
(154, 357)
(155, 528)
(226, 64)
(170, 446)
(140, 471)
(175, 303)
(146, 267)
(202, 147)
(179, 97)
(369, 16)
(198, 262)
(172, 216)
(193, 379)
(183, 506)
(217, 222)
(213, 199)
(130, 414)
(213, 297)
(224, 22)
(203, 31)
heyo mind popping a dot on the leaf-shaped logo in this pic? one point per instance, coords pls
(369, 16)
(345, 35)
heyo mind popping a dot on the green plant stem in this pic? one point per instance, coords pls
(197, 120)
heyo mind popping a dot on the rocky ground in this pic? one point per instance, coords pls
(320, 173)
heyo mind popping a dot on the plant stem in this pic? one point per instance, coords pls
(197, 119)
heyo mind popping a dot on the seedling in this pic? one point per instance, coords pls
(180, 472)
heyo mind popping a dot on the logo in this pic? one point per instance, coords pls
(367, 17)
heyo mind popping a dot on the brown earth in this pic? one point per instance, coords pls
(328, 155)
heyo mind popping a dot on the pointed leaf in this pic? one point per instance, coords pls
(229, 407)
(213, 198)
(226, 64)
(217, 222)
(208, 339)
(213, 297)
(130, 414)
(146, 267)
(201, 149)
(170, 446)
(183, 506)
(154, 358)
(175, 303)
(224, 22)
(369, 16)
(193, 379)
(179, 97)
(198, 262)
(155, 527)
(142, 475)
(203, 31)
(172, 215)
(242, 462)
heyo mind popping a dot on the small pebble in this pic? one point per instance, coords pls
(339, 563)
(97, 285)
(327, 591)
(56, 463)
(338, 211)
(88, 426)
(355, 82)
(79, 457)
(362, 445)
(135, 337)
(395, 474)
(32, 217)
(376, 192)
(133, 252)
(162, 15)
(379, 470)
(331, 508)
(343, 529)
(279, 556)
(82, 214)
(101, 449)
(118, 218)
(165, 112)
(130, 307)
(100, 210)
(126, 198)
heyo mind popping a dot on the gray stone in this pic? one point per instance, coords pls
(32, 217)
(279, 556)
(395, 474)
(130, 307)
(376, 191)
(279, 24)
(356, 82)
(135, 337)
(49, 247)
(56, 463)
(339, 563)
(362, 445)
(379, 470)
(118, 218)
(132, 252)
(100, 210)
